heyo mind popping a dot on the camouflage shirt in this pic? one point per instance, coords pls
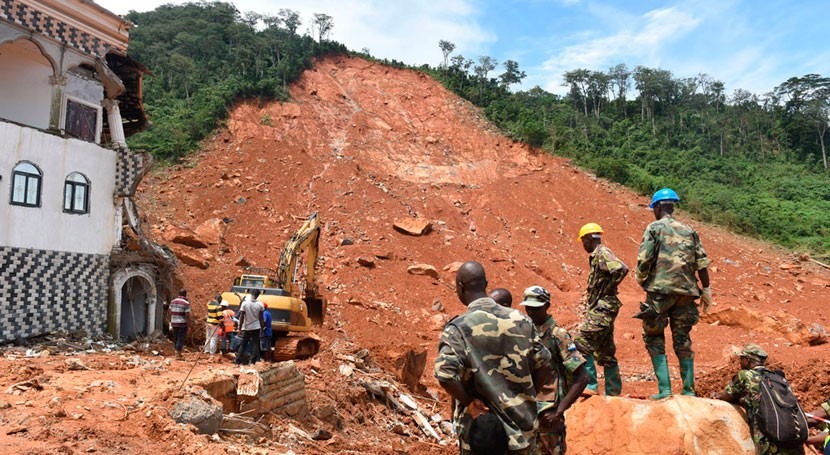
(746, 389)
(564, 360)
(607, 272)
(669, 256)
(493, 351)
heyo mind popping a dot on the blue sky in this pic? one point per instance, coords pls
(748, 44)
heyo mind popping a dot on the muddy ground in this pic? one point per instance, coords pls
(366, 145)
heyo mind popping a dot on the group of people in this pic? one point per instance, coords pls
(512, 377)
(247, 332)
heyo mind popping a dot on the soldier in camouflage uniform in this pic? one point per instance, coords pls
(569, 376)
(596, 336)
(491, 358)
(745, 389)
(669, 256)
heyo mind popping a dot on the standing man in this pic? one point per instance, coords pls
(179, 319)
(212, 325)
(492, 362)
(745, 389)
(267, 334)
(569, 375)
(669, 256)
(229, 322)
(596, 336)
(250, 325)
(502, 296)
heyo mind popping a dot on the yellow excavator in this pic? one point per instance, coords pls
(294, 304)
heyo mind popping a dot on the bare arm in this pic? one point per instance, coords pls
(723, 396)
(541, 376)
(703, 274)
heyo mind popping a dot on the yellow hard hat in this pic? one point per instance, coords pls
(590, 228)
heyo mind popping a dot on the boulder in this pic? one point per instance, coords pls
(212, 231)
(680, 424)
(184, 237)
(453, 267)
(412, 226)
(423, 269)
(191, 259)
(204, 415)
(366, 262)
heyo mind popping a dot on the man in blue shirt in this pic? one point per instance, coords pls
(267, 333)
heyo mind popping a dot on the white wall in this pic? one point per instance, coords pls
(25, 92)
(47, 227)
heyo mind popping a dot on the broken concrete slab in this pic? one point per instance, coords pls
(206, 416)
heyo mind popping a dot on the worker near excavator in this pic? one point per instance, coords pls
(502, 296)
(568, 373)
(250, 324)
(212, 324)
(668, 258)
(745, 389)
(180, 319)
(595, 338)
(492, 363)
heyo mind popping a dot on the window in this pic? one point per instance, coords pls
(26, 185)
(81, 121)
(76, 194)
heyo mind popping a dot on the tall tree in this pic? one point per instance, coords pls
(511, 74)
(323, 24)
(446, 49)
(291, 19)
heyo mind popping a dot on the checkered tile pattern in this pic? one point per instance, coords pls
(38, 22)
(46, 291)
(128, 170)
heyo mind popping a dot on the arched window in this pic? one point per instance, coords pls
(76, 194)
(26, 178)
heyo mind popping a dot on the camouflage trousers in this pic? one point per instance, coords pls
(678, 312)
(532, 449)
(763, 446)
(548, 440)
(596, 335)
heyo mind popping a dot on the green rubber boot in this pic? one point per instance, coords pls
(613, 382)
(661, 370)
(687, 373)
(592, 374)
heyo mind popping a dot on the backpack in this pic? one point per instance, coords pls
(780, 417)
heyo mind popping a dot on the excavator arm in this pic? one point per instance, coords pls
(305, 239)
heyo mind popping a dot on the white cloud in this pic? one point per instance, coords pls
(644, 43)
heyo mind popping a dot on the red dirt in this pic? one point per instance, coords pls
(365, 145)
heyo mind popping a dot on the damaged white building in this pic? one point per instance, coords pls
(72, 253)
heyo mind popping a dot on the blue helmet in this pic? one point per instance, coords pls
(666, 194)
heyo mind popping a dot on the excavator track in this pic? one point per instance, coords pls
(295, 348)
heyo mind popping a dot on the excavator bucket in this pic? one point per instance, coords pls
(316, 309)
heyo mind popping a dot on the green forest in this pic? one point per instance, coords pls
(755, 163)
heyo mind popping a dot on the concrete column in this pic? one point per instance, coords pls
(58, 83)
(114, 119)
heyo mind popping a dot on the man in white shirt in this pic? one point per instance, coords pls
(250, 325)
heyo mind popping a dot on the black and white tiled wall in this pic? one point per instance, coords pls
(129, 169)
(49, 291)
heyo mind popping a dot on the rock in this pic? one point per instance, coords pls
(437, 322)
(191, 259)
(412, 369)
(366, 262)
(212, 231)
(412, 226)
(423, 269)
(453, 267)
(344, 242)
(437, 305)
(686, 425)
(75, 364)
(628, 336)
(206, 416)
(242, 262)
(384, 255)
(184, 237)
(321, 435)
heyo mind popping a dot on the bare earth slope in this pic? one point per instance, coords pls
(365, 145)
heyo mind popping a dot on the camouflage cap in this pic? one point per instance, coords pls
(754, 352)
(535, 296)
